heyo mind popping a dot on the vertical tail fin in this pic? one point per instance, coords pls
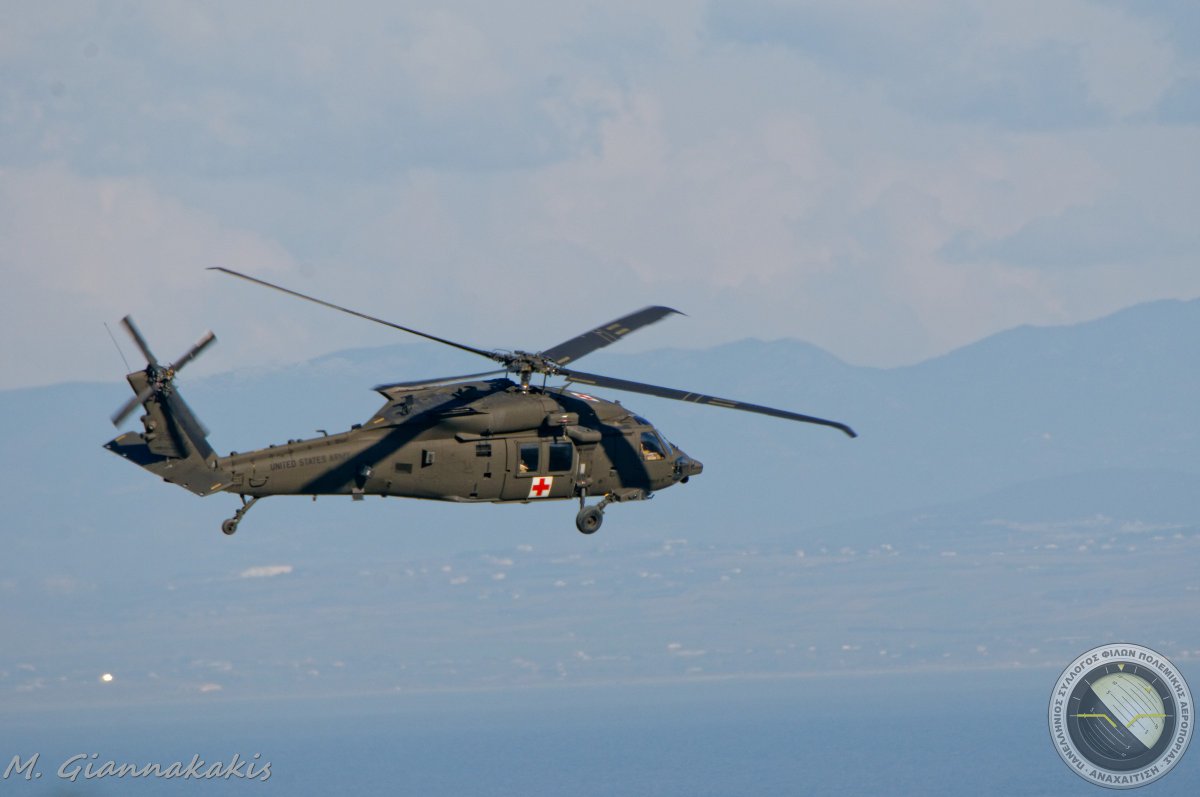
(173, 443)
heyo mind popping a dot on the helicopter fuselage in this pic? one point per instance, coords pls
(473, 441)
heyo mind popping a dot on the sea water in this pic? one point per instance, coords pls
(982, 733)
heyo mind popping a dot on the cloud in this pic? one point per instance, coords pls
(1081, 237)
(64, 585)
(228, 90)
(265, 571)
(1137, 212)
(885, 181)
(80, 251)
(1021, 65)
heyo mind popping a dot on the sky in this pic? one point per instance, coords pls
(886, 180)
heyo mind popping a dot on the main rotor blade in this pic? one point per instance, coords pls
(129, 406)
(602, 336)
(132, 329)
(297, 294)
(194, 352)
(698, 398)
(432, 382)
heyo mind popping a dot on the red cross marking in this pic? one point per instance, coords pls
(542, 485)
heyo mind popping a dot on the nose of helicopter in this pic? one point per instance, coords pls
(688, 467)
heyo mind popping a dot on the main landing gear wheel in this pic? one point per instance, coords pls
(229, 526)
(589, 519)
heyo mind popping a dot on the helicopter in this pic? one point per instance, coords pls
(469, 438)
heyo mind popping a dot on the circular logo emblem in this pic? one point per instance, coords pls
(1121, 716)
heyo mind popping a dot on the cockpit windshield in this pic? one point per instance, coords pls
(652, 447)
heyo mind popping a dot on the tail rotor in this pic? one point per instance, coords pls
(159, 378)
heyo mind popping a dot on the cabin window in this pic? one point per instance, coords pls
(652, 448)
(561, 456)
(529, 457)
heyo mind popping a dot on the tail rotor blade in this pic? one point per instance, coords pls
(155, 373)
(129, 406)
(132, 329)
(194, 352)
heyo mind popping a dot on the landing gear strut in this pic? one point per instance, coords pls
(230, 526)
(590, 517)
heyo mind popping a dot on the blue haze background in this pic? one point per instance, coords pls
(966, 228)
(807, 604)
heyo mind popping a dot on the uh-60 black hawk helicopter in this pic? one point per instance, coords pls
(475, 437)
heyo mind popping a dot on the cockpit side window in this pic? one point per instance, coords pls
(652, 447)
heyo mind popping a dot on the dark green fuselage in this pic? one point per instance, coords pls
(470, 441)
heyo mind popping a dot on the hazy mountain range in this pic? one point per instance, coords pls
(990, 490)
